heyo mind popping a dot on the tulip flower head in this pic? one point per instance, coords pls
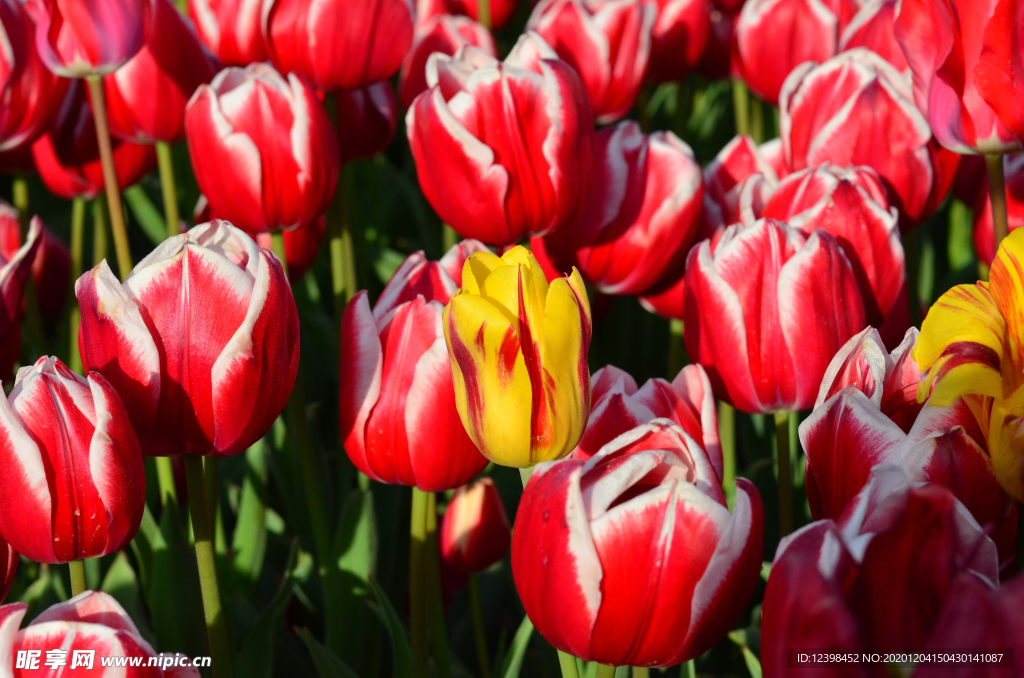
(77, 486)
(475, 532)
(231, 28)
(680, 34)
(444, 33)
(8, 567)
(972, 344)
(518, 349)
(15, 269)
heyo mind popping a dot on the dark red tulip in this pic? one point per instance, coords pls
(366, 120)
(680, 35)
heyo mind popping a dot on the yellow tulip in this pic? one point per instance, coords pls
(972, 346)
(518, 349)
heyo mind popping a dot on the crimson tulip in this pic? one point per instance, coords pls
(716, 61)
(608, 42)
(873, 27)
(366, 120)
(856, 109)
(146, 97)
(77, 486)
(15, 270)
(262, 147)
(397, 396)
(338, 44)
(680, 34)
(740, 168)
(475, 533)
(90, 626)
(642, 216)
(631, 557)
(78, 38)
(67, 156)
(232, 29)
(9, 562)
(51, 265)
(1013, 172)
(201, 324)
(867, 414)
(503, 149)
(29, 91)
(766, 309)
(618, 406)
(300, 247)
(500, 11)
(879, 579)
(966, 60)
(444, 33)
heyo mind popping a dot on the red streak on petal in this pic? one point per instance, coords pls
(507, 355)
(540, 419)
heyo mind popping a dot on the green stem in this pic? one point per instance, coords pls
(435, 605)
(741, 106)
(641, 672)
(22, 204)
(77, 243)
(483, 10)
(676, 350)
(215, 630)
(339, 233)
(785, 472)
(689, 670)
(166, 162)
(476, 610)
(78, 584)
(727, 438)
(912, 254)
(605, 671)
(99, 234)
(449, 237)
(165, 480)
(757, 122)
(997, 193)
(417, 583)
(124, 254)
(211, 476)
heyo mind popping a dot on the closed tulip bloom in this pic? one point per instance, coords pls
(444, 33)
(15, 270)
(631, 557)
(873, 27)
(503, 149)
(867, 414)
(856, 109)
(680, 35)
(146, 97)
(262, 147)
(518, 349)
(199, 326)
(231, 28)
(78, 38)
(77, 486)
(729, 175)
(966, 60)
(716, 61)
(971, 345)
(51, 265)
(29, 91)
(300, 247)
(91, 621)
(67, 155)
(366, 120)
(399, 421)
(338, 44)
(500, 11)
(766, 310)
(475, 533)
(608, 42)
(1013, 172)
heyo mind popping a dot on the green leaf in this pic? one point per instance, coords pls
(400, 649)
(513, 663)
(249, 542)
(743, 638)
(173, 591)
(326, 662)
(355, 557)
(256, 658)
(123, 585)
(146, 213)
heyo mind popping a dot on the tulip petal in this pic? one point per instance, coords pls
(362, 365)
(1007, 288)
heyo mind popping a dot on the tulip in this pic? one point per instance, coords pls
(527, 169)
(716, 61)
(10, 567)
(856, 109)
(765, 312)
(77, 486)
(51, 265)
(91, 621)
(726, 176)
(397, 399)
(631, 557)
(262, 147)
(970, 346)
(14, 273)
(867, 414)
(680, 35)
(67, 156)
(79, 38)
(963, 56)
(608, 42)
(872, 27)
(878, 579)
(29, 91)
(366, 120)
(300, 247)
(475, 532)
(188, 370)
(500, 11)
(620, 406)
(232, 29)
(338, 44)
(146, 97)
(518, 349)
(443, 33)
(1013, 171)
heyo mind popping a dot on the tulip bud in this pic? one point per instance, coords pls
(253, 130)
(475, 533)
(765, 312)
(398, 405)
(518, 349)
(188, 370)
(366, 120)
(500, 10)
(51, 265)
(29, 91)
(516, 135)
(14, 273)
(146, 97)
(78, 38)
(77, 487)
(631, 557)
(231, 29)
(1013, 177)
(680, 35)
(338, 44)
(443, 33)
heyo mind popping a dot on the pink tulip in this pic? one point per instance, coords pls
(444, 33)
(231, 28)
(475, 533)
